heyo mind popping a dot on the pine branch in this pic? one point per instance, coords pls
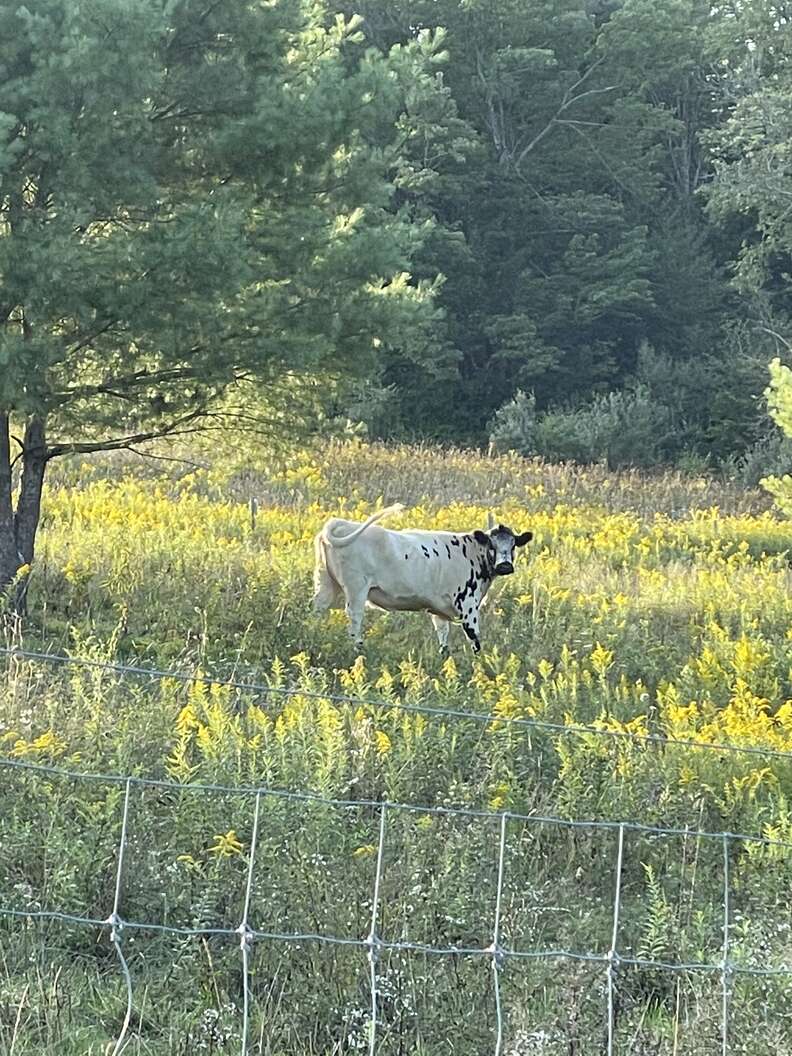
(175, 428)
(90, 338)
(568, 100)
(113, 386)
(168, 458)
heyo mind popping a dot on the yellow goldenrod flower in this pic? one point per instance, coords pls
(226, 845)
(383, 742)
(366, 851)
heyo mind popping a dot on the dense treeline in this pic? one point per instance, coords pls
(562, 223)
(620, 161)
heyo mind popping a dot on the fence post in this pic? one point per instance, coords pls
(246, 935)
(725, 966)
(497, 951)
(373, 941)
(117, 924)
(612, 956)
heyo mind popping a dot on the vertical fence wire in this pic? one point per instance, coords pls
(725, 962)
(498, 955)
(373, 938)
(245, 932)
(612, 956)
(116, 923)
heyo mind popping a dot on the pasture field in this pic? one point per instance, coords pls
(650, 610)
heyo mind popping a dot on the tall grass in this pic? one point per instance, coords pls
(652, 605)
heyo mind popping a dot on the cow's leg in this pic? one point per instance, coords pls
(442, 627)
(356, 595)
(327, 593)
(470, 625)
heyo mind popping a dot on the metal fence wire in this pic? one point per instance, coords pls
(496, 956)
(261, 690)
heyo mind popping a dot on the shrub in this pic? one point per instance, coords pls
(779, 400)
(771, 455)
(620, 428)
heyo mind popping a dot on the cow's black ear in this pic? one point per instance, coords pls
(481, 537)
(521, 540)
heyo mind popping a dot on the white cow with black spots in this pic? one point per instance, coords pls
(446, 574)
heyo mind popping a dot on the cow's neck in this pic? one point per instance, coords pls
(485, 573)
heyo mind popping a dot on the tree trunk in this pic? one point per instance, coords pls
(9, 555)
(18, 528)
(28, 511)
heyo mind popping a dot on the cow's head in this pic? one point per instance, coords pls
(501, 542)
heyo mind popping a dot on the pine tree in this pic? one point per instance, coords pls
(193, 196)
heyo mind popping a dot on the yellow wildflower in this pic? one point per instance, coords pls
(227, 845)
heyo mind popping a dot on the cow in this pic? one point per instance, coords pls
(446, 574)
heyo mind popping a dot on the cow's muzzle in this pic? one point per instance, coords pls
(504, 568)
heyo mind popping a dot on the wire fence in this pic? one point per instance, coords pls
(374, 944)
(661, 740)
(497, 955)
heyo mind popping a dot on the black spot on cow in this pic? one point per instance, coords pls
(406, 557)
(468, 589)
(448, 551)
(454, 541)
(435, 552)
(472, 636)
(425, 551)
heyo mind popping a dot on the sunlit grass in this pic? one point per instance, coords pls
(650, 606)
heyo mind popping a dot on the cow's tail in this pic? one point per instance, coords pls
(345, 540)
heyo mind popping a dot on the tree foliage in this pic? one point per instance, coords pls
(193, 195)
(578, 226)
(779, 401)
(752, 149)
(406, 213)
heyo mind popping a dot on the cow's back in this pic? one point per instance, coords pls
(405, 570)
(374, 549)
